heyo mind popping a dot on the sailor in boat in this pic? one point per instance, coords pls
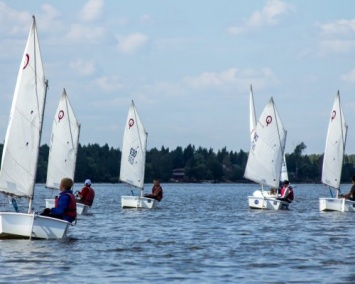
(286, 192)
(65, 204)
(157, 191)
(87, 194)
(351, 194)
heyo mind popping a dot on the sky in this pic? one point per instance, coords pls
(188, 66)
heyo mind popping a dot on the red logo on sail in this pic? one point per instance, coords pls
(130, 123)
(27, 61)
(60, 115)
(334, 114)
(268, 120)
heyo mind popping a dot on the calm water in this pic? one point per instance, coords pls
(200, 233)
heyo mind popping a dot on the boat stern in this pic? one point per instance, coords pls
(138, 202)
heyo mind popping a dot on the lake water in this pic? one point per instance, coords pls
(200, 233)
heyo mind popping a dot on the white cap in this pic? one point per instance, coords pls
(87, 182)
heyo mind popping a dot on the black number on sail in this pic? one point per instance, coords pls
(132, 155)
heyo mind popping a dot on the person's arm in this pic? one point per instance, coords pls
(157, 191)
(83, 193)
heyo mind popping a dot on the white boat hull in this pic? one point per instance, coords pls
(81, 209)
(138, 202)
(21, 225)
(336, 204)
(263, 200)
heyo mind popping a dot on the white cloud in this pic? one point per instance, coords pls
(336, 46)
(232, 77)
(146, 18)
(122, 21)
(50, 12)
(131, 43)
(92, 10)
(172, 44)
(268, 16)
(337, 37)
(340, 27)
(50, 19)
(349, 77)
(83, 68)
(14, 22)
(82, 33)
(109, 84)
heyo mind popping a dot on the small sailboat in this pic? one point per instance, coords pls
(133, 156)
(265, 158)
(63, 149)
(21, 149)
(253, 122)
(333, 161)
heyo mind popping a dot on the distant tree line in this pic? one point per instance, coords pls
(102, 164)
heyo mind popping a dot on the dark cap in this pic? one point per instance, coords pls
(285, 181)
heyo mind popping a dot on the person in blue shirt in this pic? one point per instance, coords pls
(65, 203)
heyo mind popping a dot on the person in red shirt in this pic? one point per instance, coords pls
(157, 191)
(286, 192)
(87, 194)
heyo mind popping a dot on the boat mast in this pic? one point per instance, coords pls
(343, 137)
(42, 112)
(282, 143)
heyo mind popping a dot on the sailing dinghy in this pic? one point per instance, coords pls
(253, 121)
(133, 156)
(63, 149)
(266, 157)
(21, 148)
(333, 161)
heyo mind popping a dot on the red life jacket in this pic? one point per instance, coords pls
(89, 198)
(290, 195)
(71, 209)
(158, 197)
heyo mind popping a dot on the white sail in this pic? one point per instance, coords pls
(22, 141)
(63, 144)
(284, 173)
(335, 146)
(252, 113)
(267, 148)
(252, 121)
(133, 150)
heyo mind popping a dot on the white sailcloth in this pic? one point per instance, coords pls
(133, 150)
(21, 148)
(267, 148)
(252, 114)
(284, 173)
(63, 144)
(22, 141)
(335, 146)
